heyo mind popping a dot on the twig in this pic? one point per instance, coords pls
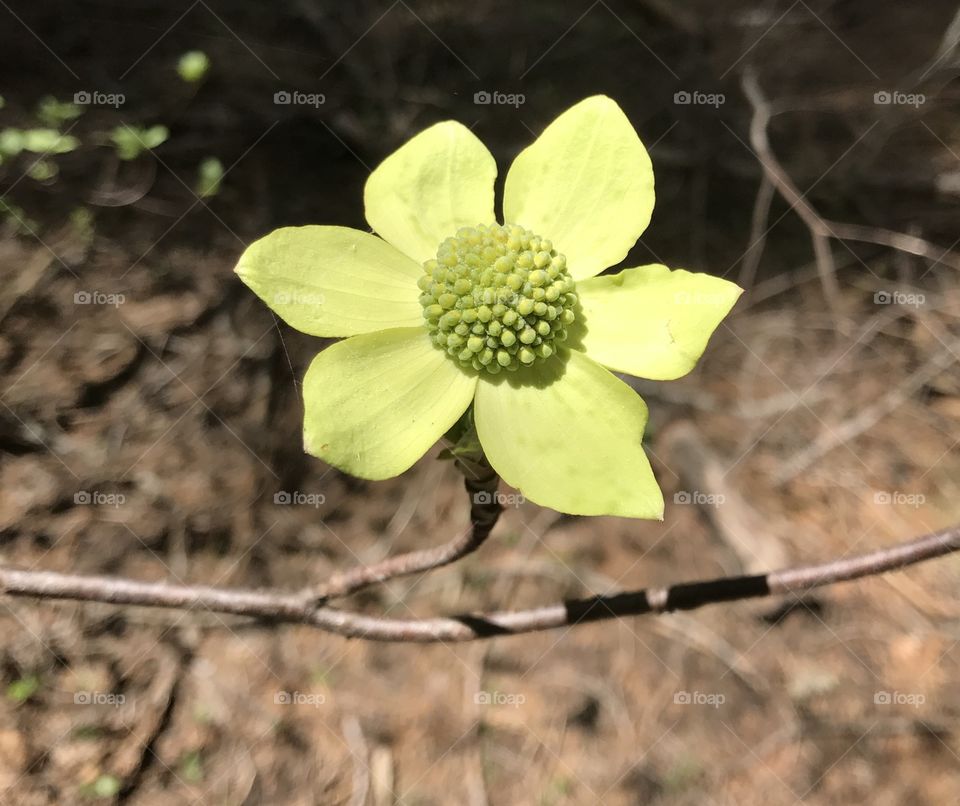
(481, 483)
(758, 234)
(775, 173)
(868, 416)
(299, 608)
(357, 744)
(901, 241)
(823, 229)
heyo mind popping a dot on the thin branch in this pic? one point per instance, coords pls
(901, 241)
(823, 229)
(301, 608)
(481, 483)
(780, 179)
(758, 233)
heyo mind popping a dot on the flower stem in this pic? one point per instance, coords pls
(481, 482)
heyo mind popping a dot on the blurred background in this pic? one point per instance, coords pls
(150, 410)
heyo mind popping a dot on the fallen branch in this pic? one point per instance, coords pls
(301, 608)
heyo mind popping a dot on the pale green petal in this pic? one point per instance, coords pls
(651, 322)
(586, 184)
(428, 188)
(375, 403)
(567, 434)
(333, 281)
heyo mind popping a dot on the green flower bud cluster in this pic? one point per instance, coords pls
(497, 297)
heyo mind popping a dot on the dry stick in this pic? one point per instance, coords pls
(758, 233)
(300, 608)
(481, 483)
(867, 417)
(823, 229)
(781, 180)
(911, 244)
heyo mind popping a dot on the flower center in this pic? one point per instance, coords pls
(497, 297)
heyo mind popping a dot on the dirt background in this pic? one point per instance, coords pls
(148, 431)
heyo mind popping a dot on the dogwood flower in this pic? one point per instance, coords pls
(449, 309)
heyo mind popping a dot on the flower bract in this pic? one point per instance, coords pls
(448, 307)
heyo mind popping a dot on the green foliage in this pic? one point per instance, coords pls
(209, 177)
(15, 218)
(19, 691)
(11, 142)
(43, 170)
(193, 66)
(54, 113)
(49, 141)
(191, 767)
(131, 141)
(81, 225)
(39, 141)
(106, 786)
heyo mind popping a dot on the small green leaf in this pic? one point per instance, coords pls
(19, 691)
(43, 170)
(11, 142)
(81, 225)
(193, 66)
(48, 141)
(54, 113)
(209, 177)
(106, 786)
(191, 767)
(131, 141)
(15, 218)
(155, 136)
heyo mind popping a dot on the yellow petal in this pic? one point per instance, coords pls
(567, 434)
(649, 321)
(375, 403)
(586, 184)
(333, 281)
(428, 188)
